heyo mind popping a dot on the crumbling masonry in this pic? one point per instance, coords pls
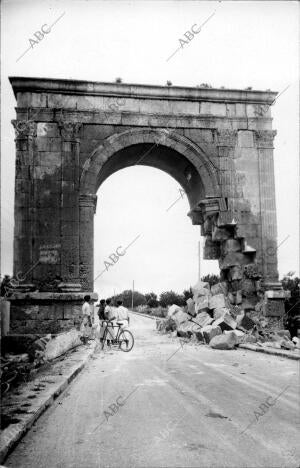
(72, 135)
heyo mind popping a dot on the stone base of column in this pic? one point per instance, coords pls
(273, 307)
(46, 312)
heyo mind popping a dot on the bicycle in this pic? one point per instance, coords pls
(124, 338)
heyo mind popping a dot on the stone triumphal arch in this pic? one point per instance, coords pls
(72, 135)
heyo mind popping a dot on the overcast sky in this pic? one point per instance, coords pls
(243, 44)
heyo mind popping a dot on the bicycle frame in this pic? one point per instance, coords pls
(106, 330)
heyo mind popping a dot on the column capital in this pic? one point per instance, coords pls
(226, 137)
(69, 130)
(88, 200)
(24, 128)
(264, 138)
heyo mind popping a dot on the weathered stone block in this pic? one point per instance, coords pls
(238, 297)
(211, 250)
(199, 286)
(233, 259)
(228, 341)
(220, 234)
(202, 303)
(217, 301)
(185, 330)
(209, 334)
(191, 306)
(248, 287)
(198, 335)
(231, 245)
(235, 273)
(203, 319)
(274, 308)
(245, 322)
(220, 312)
(219, 288)
(226, 322)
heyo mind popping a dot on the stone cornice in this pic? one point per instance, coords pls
(201, 122)
(95, 88)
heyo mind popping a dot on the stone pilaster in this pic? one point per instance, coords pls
(69, 209)
(87, 209)
(226, 141)
(25, 131)
(264, 143)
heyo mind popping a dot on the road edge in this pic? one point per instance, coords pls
(11, 435)
(274, 352)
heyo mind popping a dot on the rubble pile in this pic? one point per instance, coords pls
(211, 318)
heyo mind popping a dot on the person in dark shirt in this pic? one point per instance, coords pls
(101, 309)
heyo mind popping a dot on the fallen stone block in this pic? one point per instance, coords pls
(180, 317)
(165, 325)
(226, 342)
(173, 309)
(245, 322)
(176, 313)
(219, 288)
(61, 343)
(220, 312)
(238, 297)
(210, 334)
(203, 319)
(201, 292)
(199, 335)
(287, 344)
(226, 322)
(202, 304)
(284, 333)
(249, 339)
(238, 333)
(296, 342)
(15, 358)
(191, 307)
(199, 286)
(231, 298)
(217, 301)
(170, 324)
(185, 330)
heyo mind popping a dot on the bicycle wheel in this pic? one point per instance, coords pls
(126, 341)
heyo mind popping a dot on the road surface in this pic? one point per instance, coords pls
(167, 404)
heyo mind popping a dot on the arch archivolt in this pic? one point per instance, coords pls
(170, 139)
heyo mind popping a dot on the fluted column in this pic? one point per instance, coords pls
(87, 209)
(24, 213)
(264, 142)
(226, 141)
(69, 203)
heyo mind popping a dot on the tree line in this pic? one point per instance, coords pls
(165, 299)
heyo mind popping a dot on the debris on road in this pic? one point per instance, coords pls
(210, 318)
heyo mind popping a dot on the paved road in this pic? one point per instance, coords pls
(195, 408)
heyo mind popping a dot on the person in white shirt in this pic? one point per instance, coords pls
(110, 315)
(86, 325)
(122, 314)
